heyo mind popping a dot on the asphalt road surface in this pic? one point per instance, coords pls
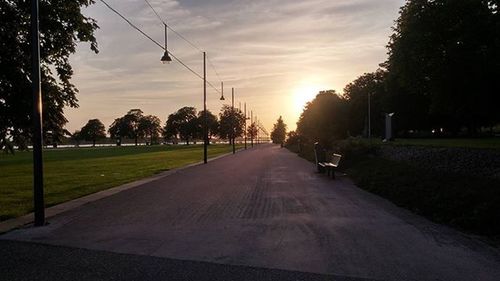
(264, 208)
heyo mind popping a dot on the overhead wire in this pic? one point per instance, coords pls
(184, 38)
(157, 43)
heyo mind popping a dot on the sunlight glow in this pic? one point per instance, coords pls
(303, 94)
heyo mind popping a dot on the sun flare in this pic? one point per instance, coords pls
(302, 95)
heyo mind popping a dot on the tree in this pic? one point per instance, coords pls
(150, 126)
(55, 136)
(93, 131)
(278, 134)
(324, 118)
(118, 130)
(212, 124)
(62, 26)
(252, 132)
(367, 86)
(444, 60)
(76, 137)
(231, 124)
(132, 120)
(182, 123)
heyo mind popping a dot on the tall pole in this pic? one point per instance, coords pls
(166, 38)
(232, 119)
(37, 118)
(258, 128)
(222, 90)
(205, 115)
(369, 120)
(251, 124)
(245, 125)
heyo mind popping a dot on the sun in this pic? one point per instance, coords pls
(302, 95)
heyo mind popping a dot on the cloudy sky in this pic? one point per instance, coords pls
(277, 54)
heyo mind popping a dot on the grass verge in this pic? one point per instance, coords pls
(73, 173)
(469, 203)
(483, 143)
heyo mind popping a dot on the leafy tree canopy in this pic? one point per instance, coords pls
(324, 118)
(150, 126)
(369, 86)
(444, 61)
(232, 123)
(182, 123)
(62, 25)
(127, 126)
(252, 131)
(212, 124)
(278, 134)
(92, 131)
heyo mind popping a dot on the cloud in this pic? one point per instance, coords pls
(264, 48)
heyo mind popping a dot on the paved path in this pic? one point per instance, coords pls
(265, 207)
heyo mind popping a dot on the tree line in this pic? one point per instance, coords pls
(186, 125)
(440, 78)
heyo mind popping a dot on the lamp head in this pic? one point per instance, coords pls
(166, 58)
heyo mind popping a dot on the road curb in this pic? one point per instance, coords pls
(27, 219)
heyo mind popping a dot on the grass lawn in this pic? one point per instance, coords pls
(466, 202)
(492, 143)
(72, 173)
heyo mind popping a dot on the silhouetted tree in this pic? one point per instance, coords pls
(132, 119)
(252, 132)
(324, 119)
(367, 86)
(93, 131)
(231, 124)
(444, 61)
(118, 130)
(62, 26)
(278, 134)
(212, 125)
(182, 123)
(150, 126)
(76, 137)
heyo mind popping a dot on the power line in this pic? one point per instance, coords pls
(169, 27)
(213, 67)
(156, 42)
(184, 38)
(131, 24)
(149, 4)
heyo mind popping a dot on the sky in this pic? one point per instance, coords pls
(277, 54)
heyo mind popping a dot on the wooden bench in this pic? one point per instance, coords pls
(330, 167)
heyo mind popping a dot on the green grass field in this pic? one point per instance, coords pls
(72, 173)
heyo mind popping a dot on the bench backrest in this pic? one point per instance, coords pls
(336, 159)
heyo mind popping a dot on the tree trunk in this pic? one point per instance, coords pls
(93, 143)
(135, 140)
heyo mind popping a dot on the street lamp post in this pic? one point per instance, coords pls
(232, 121)
(39, 205)
(245, 132)
(258, 128)
(251, 124)
(166, 58)
(205, 115)
(369, 119)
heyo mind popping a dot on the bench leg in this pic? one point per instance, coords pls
(333, 173)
